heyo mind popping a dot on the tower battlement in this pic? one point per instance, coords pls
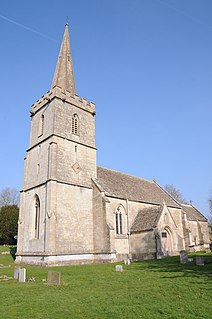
(57, 92)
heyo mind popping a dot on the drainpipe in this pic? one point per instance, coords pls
(128, 230)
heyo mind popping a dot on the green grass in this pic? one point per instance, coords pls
(148, 289)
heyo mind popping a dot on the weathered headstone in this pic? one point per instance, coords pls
(22, 275)
(183, 257)
(127, 261)
(200, 261)
(53, 277)
(16, 273)
(119, 268)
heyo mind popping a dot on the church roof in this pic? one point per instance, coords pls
(120, 185)
(192, 213)
(146, 219)
(64, 74)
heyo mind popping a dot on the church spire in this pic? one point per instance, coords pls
(64, 74)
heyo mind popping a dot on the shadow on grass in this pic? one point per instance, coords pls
(13, 250)
(175, 269)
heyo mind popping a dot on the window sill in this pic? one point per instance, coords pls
(121, 236)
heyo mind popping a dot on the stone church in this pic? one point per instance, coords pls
(74, 212)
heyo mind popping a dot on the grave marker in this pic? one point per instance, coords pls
(16, 273)
(119, 268)
(22, 275)
(200, 261)
(183, 257)
(53, 277)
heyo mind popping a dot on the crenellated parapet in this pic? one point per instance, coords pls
(57, 92)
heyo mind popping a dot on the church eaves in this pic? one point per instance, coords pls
(64, 74)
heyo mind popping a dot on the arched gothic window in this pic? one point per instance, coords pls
(119, 218)
(75, 124)
(37, 216)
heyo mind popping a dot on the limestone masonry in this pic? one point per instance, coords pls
(74, 212)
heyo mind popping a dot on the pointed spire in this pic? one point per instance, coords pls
(64, 74)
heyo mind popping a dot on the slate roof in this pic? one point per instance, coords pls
(146, 219)
(193, 214)
(120, 185)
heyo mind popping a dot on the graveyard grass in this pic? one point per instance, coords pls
(147, 289)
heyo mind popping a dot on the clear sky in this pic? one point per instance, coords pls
(146, 64)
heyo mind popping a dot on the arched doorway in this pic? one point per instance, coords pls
(166, 242)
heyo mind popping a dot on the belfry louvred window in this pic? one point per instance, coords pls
(75, 124)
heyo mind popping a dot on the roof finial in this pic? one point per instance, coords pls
(67, 20)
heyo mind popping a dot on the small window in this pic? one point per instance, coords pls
(38, 169)
(41, 126)
(37, 216)
(75, 124)
(164, 235)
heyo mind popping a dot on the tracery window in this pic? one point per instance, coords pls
(119, 221)
(75, 124)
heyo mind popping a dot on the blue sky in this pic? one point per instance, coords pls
(147, 64)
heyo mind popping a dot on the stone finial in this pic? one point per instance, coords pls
(64, 74)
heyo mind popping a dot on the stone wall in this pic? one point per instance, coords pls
(143, 245)
(101, 228)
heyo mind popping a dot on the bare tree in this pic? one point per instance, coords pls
(9, 196)
(174, 192)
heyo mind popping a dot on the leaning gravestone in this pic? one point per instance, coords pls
(22, 275)
(119, 268)
(53, 277)
(183, 257)
(200, 261)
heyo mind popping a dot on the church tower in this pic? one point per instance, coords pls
(56, 210)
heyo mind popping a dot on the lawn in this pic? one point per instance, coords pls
(147, 289)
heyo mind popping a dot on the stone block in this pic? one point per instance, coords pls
(53, 277)
(200, 261)
(16, 273)
(183, 257)
(127, 261)
(22, 275)
(119, 268)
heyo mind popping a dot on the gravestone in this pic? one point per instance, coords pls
(200, 261)
(16, 273)
(22, 275)
(127, 261)
(119, 268)
(53, 277)
(183, 257)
